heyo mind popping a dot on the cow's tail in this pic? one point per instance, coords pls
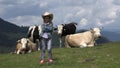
(66, 42)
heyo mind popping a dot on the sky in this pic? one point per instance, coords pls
(87, 13)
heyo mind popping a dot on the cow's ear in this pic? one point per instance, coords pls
(92, 30)
(19, 41)
(28, 40)
(62, 24)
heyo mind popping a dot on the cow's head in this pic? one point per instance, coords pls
(96, 32)
(24, 42)
(60, 28)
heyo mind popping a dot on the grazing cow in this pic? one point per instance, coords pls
(34, 34)
(66, 29)
(24, 45)
(85, 39)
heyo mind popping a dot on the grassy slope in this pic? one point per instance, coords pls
(105, 56)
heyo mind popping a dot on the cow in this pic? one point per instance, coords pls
(34, 34)
(24, 45)
(66, 29)
(85, 39)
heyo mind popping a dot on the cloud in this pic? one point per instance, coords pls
(14, 8)
(98, 23)
(83, 22)
(26, 20)
(116, 2)
(43, 4)
(87, 13)
(112, 14)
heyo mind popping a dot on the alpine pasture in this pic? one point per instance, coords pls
(101, 56)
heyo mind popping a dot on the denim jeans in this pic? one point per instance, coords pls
(46, 43)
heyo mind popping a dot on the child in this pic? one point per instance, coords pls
(47, 29)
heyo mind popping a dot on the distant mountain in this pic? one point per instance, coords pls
(8, 27)
(10, 33)
(112, 36)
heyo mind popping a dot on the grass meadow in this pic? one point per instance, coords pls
(101, 56)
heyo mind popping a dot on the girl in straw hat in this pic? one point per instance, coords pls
(47, 29)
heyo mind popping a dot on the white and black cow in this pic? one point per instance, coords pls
(85, 39)
(66, 29)
(34, 34)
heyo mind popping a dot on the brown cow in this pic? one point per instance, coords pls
(24, 45)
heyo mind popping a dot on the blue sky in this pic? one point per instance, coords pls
(87, 13)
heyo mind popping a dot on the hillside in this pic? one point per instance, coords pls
(9, 34)
(8, 27)
(103, 56)
(112, 36)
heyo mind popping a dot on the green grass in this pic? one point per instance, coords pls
(104, 56)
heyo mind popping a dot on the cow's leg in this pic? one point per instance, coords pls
(18, 52)
(91, 44)
(95, 43)
(30, 51)
(83, 45)
(37, 44)
(67, 44)
(60, 39)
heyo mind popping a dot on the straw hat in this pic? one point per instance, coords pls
(47, 14)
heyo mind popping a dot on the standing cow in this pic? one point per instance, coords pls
(66, 29)
(34, 34)
(85, 39)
